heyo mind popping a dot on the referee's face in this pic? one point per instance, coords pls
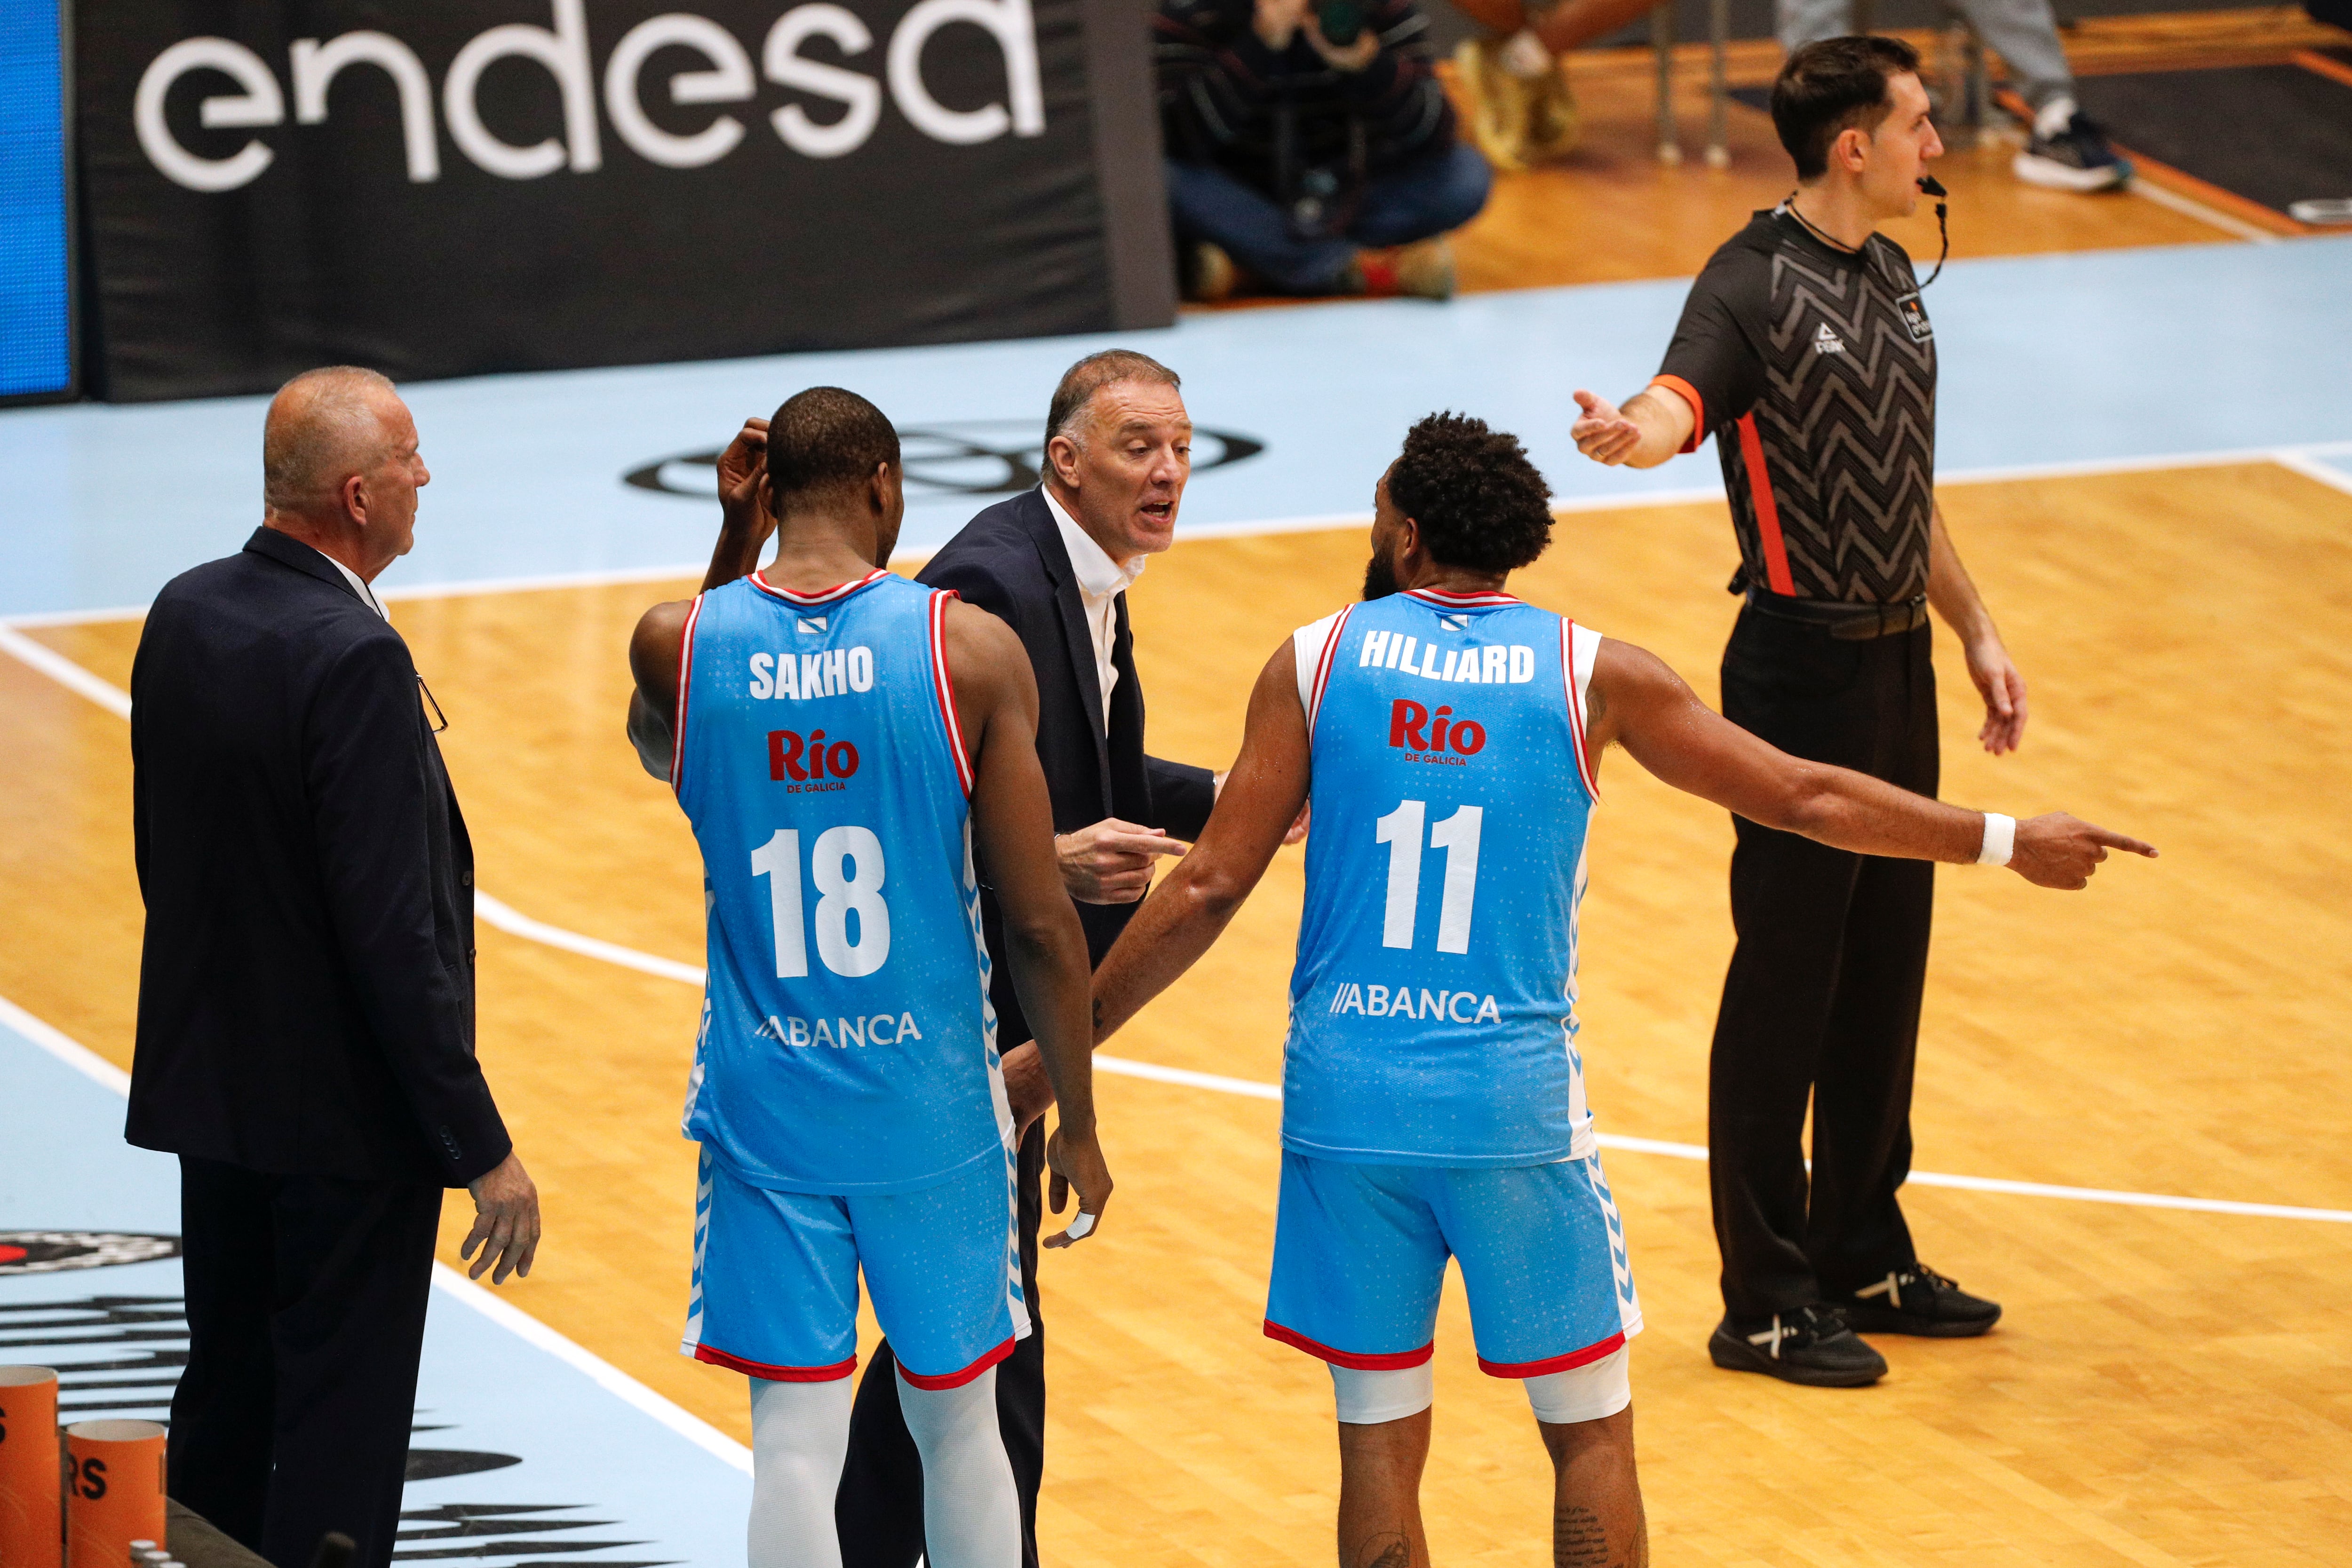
(1899, 149)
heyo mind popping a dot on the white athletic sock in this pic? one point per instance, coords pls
(1524, 55)
(799, 1436)
(972, 1515)
(2054, 117)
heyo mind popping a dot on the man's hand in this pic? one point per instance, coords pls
(1603, 433)
(1076, 1161)
(743, 478)
(1277, 22)
(2003, 690)
(1111, 862)
(1028, 1089)
(1358, 56)
(2058, 851)
(506, 1222)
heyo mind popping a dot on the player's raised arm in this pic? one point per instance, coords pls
(1190, 908)
(1013, 839)
(746, 524)
(1637, 702)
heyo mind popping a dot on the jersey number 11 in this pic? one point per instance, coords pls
(1457, 835)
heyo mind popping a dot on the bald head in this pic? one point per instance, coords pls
(340, 468)
(324, 426)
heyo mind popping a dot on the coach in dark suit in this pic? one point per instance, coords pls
(1054, 563)
(306, 999)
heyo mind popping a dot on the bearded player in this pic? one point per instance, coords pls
(1449, 738)
(856, 751)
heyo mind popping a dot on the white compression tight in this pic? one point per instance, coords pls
(799, 1436)
(971, 1514)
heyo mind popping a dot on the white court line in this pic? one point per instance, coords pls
(2296, 457)
(449, 1281)
(505, 917)
(2190, 206)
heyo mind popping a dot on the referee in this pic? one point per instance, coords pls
(1804, 349)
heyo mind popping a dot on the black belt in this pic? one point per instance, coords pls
(1852, 623)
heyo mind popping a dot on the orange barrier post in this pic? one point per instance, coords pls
(32, 1531)
(114, 1490)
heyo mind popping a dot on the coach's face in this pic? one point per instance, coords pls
(384, 494)
(1129, 466)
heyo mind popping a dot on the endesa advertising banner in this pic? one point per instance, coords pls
(448, 187)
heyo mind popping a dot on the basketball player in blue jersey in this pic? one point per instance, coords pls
(856, 752)
(1449, 736)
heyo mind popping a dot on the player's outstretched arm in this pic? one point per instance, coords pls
(745, 526)
(1637, 702)
(1191, 905)
(1013, 839)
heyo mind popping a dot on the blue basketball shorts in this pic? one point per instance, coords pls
(1359, 1256)
(775, 1277)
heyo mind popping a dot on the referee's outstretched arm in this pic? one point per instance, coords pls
(1636, 702)
(1651, 427)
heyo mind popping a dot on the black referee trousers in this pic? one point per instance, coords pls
(1821, 1002)
(306, 1320)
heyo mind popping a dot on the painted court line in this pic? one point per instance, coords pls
(505, 917)
(2304, 459)
(449, 1281)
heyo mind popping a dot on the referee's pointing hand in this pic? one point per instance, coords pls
(2055, 849)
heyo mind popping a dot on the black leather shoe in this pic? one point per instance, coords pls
(1810, 1346)
(1918, 1301)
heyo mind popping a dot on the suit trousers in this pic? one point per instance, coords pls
(1821, 1002)
(306, 1319)
(879, 1508)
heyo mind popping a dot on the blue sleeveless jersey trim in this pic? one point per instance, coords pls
(1433, 998)
(847, 1045)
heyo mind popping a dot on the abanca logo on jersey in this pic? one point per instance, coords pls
(1436, 1007)
(838, 1033)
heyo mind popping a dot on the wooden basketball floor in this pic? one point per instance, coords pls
(2167, 1388)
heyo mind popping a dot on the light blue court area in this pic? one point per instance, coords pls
(524, 1445)
(2089, 358)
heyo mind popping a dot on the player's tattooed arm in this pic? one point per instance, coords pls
(1013, 840)
(1190, 908)
(1638, 703)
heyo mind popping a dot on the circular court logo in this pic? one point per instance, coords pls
(962, 457)
(50, 1251)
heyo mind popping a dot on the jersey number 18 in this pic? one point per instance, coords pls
(859, 892)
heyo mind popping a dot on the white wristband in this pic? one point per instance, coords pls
(2000, 839)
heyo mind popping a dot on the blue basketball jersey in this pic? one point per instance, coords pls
(847, 1044)
(1432, 1004)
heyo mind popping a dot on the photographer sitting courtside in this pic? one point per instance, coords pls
(1310, 144)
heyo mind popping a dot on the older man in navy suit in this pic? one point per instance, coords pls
(1054, 564)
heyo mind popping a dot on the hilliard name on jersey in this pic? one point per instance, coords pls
(881, 1029)
(802, 676)
(1434, 1007)
(1478, 665)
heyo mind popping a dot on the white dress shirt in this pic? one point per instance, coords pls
(1100, 583)
(359, 585)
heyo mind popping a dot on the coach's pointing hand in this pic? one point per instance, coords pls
(506, 1222)
(1076, 1161)
(2058, 851)
(1111, 862)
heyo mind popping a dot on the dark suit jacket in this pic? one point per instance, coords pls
(306, 998)
(1010, 561)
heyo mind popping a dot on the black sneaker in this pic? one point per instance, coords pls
(1810, 1346)
(1919, 1300)
(2074, 157)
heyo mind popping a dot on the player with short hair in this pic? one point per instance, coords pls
(856, 751)
(1449, 736)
